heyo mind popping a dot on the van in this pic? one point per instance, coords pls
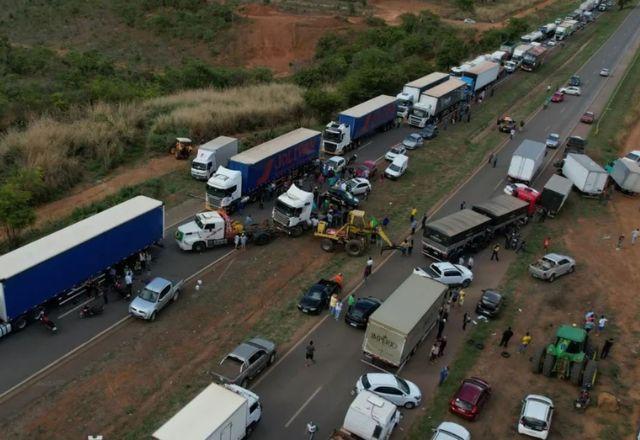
(397, 167)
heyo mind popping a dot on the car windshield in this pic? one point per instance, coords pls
(332, 136)
(419, 113)
(315, 293)
(532, 423)
(491, 297)
(554, 137)
(396, 150)
(402, 384)
(199, 222)
(149, 295)
(394, 167)
(464, 405)
(434, 270)
(289, 211)
(365, 382)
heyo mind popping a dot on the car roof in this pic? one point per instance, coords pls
(336, 159)
(377, 379)
(555, 257)
(358, 180)
(537, 407)
(470, 390)
(370, 301)
(244, 351)
(157, 284)
(448, 428)
(414, 135)
(492, 293)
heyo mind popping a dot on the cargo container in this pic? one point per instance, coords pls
(586, 175)
(449, 237)
(533, 58)
(437, 102)
(554, 194)
(626, 173)
(251, 171)
(503, 210)
(53, 268)
(527, 161)
(481, 75)
(519, 51)
(411, 91)
(403, 320)
(357, 123)
(211, 155)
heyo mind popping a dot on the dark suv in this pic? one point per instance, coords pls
(358, 314)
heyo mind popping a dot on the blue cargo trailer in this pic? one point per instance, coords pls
(47, 270)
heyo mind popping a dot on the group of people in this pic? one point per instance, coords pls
(120, 277)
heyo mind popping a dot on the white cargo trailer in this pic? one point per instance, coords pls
(526, 161)
(626, 174)
(213, 154)
(586, 175)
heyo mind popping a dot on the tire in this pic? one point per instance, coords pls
(199, 247)
(272, 358)
(548, 364)
(572, 269)
(153, 316)
(590, 373)
(21, 323)
(327, 245)
(575, 374)
(536, 366)
(552, 278)
(354, 247)
(466, 283)
(261, 239)
(175, 296)
(409, 405)
(296, 231)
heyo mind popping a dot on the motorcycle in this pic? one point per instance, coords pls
(44, 319)
(90, 311)
(583, 400)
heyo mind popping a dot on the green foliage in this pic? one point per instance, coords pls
(323, 103)
(16, 203)
(465, 5)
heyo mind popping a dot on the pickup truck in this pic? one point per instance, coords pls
(154, 297)
(246, 361)
(552, 266)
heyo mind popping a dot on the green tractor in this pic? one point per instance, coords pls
(570, 357)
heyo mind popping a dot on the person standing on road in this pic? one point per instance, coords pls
(236, 241)
(441, 324)
(444, 373)
(634, 235)
(309, 352)
(524, 343)
(521, 125)
(461, 296)
(424, 221)
(463, 205)
(433, 353)
(312, 428)
(620, 240)
(512, 133)
(470, 263)
(602, 322)
(495, 160)
(338, 310)
(606, 348)
(465, 320)
(243, 241)
(494, 253)
(128, 281)
(410, 247)
(414, 212)
(351, 300)
(414, 226)
(546, 243)
(506, 335)
(333, 301)
(443, 344)
(368, 268)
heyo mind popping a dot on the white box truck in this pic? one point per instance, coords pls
(214, 153)
(411, 91)
(219, 412)
(526, 161)
(519, 51)
(369, 417)
(586, 175)
(481, 75)
(626, 173)
(403, 321)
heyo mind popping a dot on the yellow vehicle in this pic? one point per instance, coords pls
(355, 235)
(182, 148)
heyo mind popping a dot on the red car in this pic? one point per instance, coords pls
(366, 169)
(470, 398)
(557, 97)
(588, 118)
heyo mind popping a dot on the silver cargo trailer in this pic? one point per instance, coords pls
(626, 174)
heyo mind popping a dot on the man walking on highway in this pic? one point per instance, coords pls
(368, 268)
(465, 321)
(444, 373)
(128, 281)
(634, 235)
(512, 133)
(546, 243)
(414, 212)
(414, 226)
(494, 253)
(309, 352)
(524, 343)
(424, 221)
(506, 335)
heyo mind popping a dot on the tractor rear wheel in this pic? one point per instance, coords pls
(548, 364)
(327, 245)
(297, 231)
(261, 238)
(576, 373)
(354, 247)
(590, 374)
(536, 366)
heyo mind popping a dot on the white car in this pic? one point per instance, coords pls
(604, 72)
(358, 186)
(512, 188)
(393, 388)
(450, 431)
(571, 90)
(447, 273)
(335, 163)
(395, 152)
(535, 418)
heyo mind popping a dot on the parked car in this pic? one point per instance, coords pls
(393, 388)
(447, 273)
(557, 97)
(552, 266)
(575, 144)
(450, 431)
(588, 117)
(535, 417)
(470, 398)
(604, 72)
(412, 141)
(553, 140)
(512, 188)
(358, 314)
(366, 169)
(343, 197)
(490, 303)
(575, 81)
(571, 90)
(394, 152)
(154, 297)
(317, 297)
(246, 361)
(335, 163)
(397, 167)
(358, 186)
(429, 131)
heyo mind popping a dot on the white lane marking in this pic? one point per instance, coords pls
(192, 276)
(362, 146)
(497, 185)
(226, 268)
(75, 308)
(304, 405)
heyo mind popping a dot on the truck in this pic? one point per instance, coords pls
(548, 29)
(519, 51)
(449, 237)
(411, 91)
(56, 268)
(437, 102)
(532, 36)
(554, 194)
(212, 154)
(533, 58)
(248, 173)
(561, 32)
(369, 417)
(626, 174)
(403, 321)
(587, 176)
(481, 75)
(526, 161)
(503, 210)
(357, 123)
(219, 412)
(508, 48)
(292, 211)
(499, 56)
(570, 27)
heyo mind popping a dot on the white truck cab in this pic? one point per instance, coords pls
(212, 154)
(206, 230)
(224, 189)
(371, 417)
(336, 138)
(292, 211)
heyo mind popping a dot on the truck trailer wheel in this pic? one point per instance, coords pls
(327, 245)
(354, 247)
(20, 323)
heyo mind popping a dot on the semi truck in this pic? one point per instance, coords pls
(357, 123)
(403, 321)
(533, 58)
(526, 161)
(369, 417)
(503, 210)
(481, 75)
(437, 102)
(56, 268)
(411, 91)
(292, 211)
(586, 175)
(548, 29)
(519, 51)
(626, 174)
(251, 171)
(448, 237)
(219, 412)
(214, 153)
(554, 194)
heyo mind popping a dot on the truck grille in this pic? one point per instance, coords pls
(214, 202)
(329, 148)
(415, 121)
(280, 218)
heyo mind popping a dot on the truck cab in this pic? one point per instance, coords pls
(224, 189)
(206, 230)
(420, 115)
(370, 417)
(336, 138)
(292, 211)
(404, 104)
(202, 167)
